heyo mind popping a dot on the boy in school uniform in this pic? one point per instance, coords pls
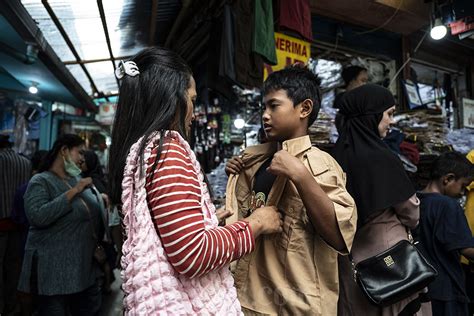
(444, 233)
(294, 272)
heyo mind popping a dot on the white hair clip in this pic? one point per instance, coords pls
(126, 68)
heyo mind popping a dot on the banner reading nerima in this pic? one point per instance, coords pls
(289, 50)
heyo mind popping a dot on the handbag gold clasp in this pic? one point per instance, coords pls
(389, 261)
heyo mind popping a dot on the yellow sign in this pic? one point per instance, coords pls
(289, 51)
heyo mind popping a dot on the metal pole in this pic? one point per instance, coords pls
(68, 42)
(106, 32)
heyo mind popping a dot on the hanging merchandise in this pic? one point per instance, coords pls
(20, 131)
(206, 135)
(295, 15)
(263, 42)
(248, 65)
(227, 46)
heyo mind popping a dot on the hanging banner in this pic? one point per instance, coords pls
(468, 112)
(106, 113)
(289, 51)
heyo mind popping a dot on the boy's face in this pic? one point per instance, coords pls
(456, 188)
(281, 119)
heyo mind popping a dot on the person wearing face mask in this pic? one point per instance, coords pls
(60, 265)
(385, 197)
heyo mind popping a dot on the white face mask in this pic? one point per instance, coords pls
(71, 168)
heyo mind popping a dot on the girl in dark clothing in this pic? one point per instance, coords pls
(92, 168)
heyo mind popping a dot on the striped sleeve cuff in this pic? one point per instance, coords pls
(244, 238)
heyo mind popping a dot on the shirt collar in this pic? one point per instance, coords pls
(297, 146)
(261, 152)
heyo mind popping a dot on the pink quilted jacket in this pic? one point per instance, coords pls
(150, 284)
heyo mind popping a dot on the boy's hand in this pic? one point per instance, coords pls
(234, 165)
(284, 164)
(222, 213)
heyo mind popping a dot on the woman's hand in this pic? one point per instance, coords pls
(234, 165)
(83, 184)
(78, 188)
(265, 220)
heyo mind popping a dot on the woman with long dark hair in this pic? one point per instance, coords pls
(385, 197)
(175, 257)
(64, 216)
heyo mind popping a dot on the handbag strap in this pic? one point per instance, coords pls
(94, 234)
(353, 264)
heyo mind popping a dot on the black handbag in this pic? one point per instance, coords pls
(394, 274)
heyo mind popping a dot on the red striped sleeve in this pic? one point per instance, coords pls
(174, 198)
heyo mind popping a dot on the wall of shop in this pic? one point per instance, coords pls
(376, 43)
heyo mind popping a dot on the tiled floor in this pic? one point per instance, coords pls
(112, 303)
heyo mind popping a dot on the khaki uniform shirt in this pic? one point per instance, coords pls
(294, 272)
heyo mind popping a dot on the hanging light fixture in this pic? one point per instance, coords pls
(239, 122)
(438, 30)
(33, 88)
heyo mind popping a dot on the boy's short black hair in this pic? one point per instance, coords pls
(350, 73)
(299, 83)
(452, 162)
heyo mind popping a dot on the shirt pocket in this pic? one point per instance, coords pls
(295, 222)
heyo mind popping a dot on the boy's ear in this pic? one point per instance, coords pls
(448, 178)
(306, 108)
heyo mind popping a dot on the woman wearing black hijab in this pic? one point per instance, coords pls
(386, 201)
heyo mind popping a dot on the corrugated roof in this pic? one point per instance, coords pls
(128, 23)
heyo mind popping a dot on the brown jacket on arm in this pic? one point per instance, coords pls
(294, 272)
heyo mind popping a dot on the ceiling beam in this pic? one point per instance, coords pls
(107, 38)
(183, 13)
(154, 12)
(69, 42)
(398, 16)
(90, 61)
(21, 21)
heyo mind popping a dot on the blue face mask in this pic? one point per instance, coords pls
(71, 168)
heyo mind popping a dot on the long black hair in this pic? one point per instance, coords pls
(68, 140)
(150, 102)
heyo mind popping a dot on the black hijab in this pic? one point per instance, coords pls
(376, 178)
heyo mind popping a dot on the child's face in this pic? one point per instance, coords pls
(456, 188)
(281, 119)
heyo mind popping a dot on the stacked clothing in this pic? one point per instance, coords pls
(461, 139)
(428, 128)
(322, 129)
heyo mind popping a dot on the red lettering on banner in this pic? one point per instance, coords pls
(291, 47)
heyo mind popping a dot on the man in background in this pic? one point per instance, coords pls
(14, 171)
